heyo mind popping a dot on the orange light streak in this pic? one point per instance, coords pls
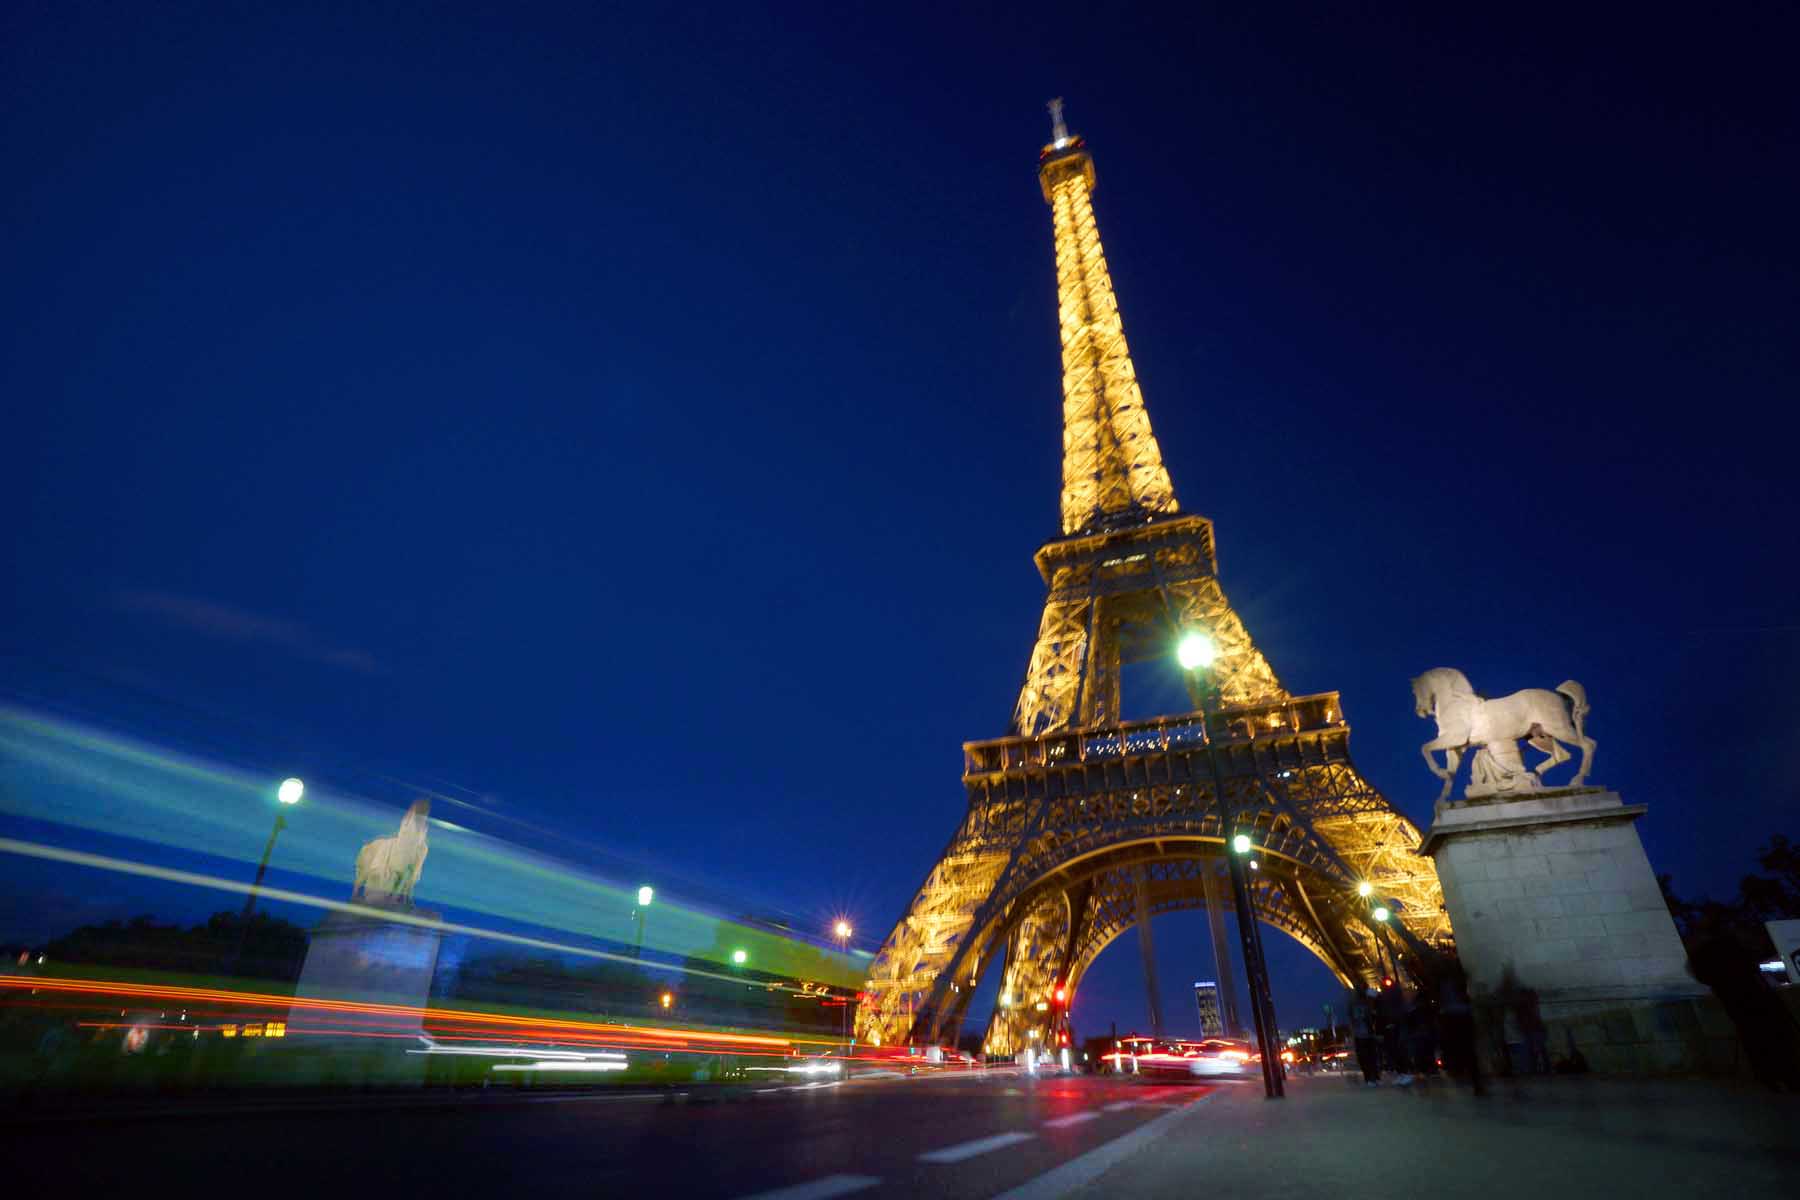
(665, 1037)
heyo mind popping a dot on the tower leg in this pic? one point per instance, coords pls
(1213, 889)
(1147, 945)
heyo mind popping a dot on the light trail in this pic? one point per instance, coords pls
(480, 1020)
(126, 866)
(79, 777)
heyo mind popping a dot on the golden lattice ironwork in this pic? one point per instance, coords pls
(1078, 822)
(1113, 474)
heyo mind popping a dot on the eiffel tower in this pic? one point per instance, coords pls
(1081, 825)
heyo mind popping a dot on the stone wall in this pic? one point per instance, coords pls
(1553, 891)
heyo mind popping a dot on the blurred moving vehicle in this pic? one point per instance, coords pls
(1209, 1058)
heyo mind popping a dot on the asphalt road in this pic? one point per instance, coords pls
(943, 1136)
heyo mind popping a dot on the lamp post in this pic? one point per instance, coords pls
(644, 896)
(1256, 970)
(842, 932)
(1195, 652)
(286, 795)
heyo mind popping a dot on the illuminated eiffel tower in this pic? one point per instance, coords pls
(1080, 825)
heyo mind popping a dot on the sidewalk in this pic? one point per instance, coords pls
(1540, 1139)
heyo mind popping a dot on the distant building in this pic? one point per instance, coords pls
(1206, 998)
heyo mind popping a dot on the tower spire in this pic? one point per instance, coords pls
(1113, 473)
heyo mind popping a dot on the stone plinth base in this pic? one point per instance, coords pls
(1552, 891)
(366, 960)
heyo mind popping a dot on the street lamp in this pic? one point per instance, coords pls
(842, 930)
(287, 794)
(1381, 913)
(740, 957)
(1364, 888)
(1195, 651)
(645, 895)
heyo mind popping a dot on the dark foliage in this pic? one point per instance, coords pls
(272, 948)
(1771, 896)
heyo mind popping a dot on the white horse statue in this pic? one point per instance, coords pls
(388, 868)
(1548, 720)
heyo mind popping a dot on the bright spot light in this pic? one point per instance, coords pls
(1381, 913)
(842, 929)
(1194, 651)
(1255, 866)
(290, 791)
(1241, 843)
(667, 999)
(645, 895)
(1364, 888)
(740, 957)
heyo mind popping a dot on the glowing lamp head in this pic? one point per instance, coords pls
(1061, 995)
(1381, 913)
(1364, 888)
(842, 929)
(1195, 651)
(1241, 843)
(667, 999)
(290, 791)
(740, 957)
(645, 896)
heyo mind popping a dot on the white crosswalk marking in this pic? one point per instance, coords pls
(820, 1189)
(1071, 1119)
(1079, 1172)
(952, 1154)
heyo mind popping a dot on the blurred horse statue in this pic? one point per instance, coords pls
(1549, 720)
(388, 868)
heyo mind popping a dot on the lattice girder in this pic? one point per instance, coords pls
(1112, 467)
(1126, 597)
(1076, 792)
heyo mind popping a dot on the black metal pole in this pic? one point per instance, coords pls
(1266, 1000)
(1255, 972)
(255, 887)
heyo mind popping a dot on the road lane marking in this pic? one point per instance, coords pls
(953, 1154)
(820, 1189)
(1078, 1172)
(1071, 1119)
(1121, 1105)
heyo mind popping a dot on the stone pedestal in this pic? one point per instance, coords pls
(370, 960)
(1554, 887)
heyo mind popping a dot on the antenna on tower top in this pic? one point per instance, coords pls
(1058, 131)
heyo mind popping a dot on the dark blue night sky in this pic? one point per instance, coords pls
(644, 419)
